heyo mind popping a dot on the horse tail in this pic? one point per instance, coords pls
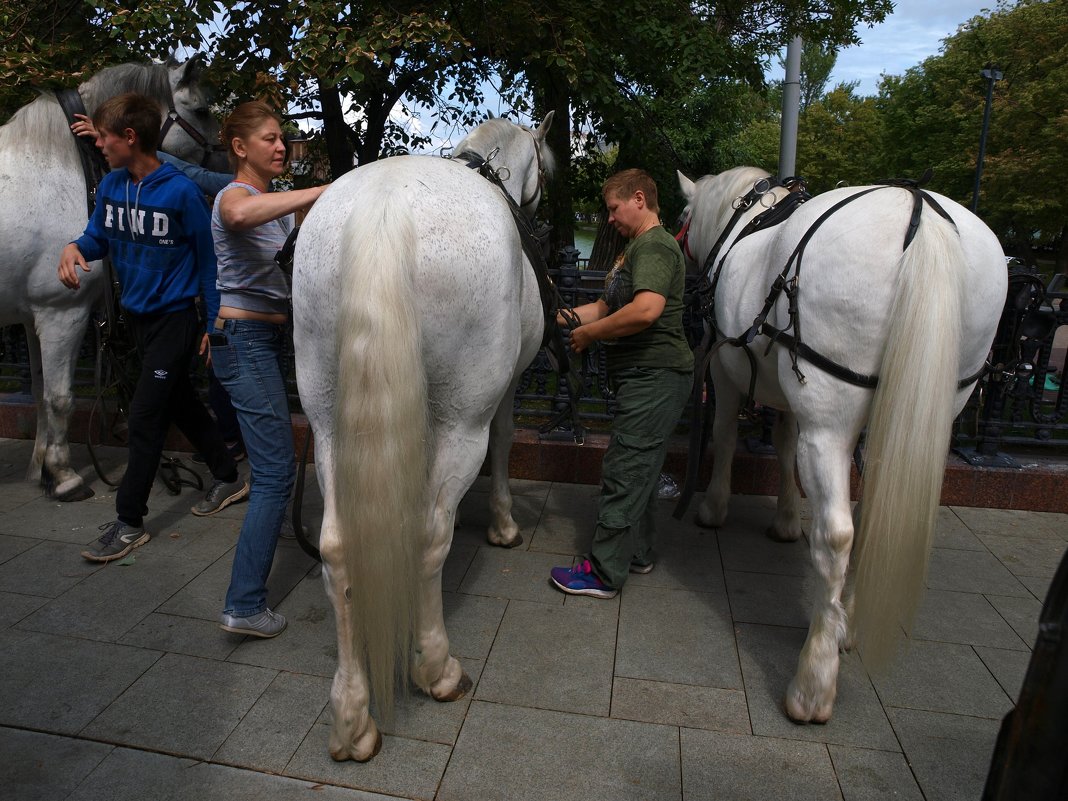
(908, 439)
(381, 425)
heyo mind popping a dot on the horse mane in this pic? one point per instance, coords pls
(146, 79)
(726, 187)
(548, 158)
(40, 130)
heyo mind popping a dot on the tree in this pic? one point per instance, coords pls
(933, 114)
(624, 69)
(51, 45)
(631, 73)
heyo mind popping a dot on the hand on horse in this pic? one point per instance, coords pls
(69, 262)
(83, 126)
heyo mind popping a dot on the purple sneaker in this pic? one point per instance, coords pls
(581, 580)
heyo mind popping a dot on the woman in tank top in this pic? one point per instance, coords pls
(249, 225)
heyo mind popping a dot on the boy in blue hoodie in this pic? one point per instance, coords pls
(153, 223)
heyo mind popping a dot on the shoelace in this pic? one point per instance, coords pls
(112, 532)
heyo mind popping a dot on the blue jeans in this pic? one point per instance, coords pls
(249, 365)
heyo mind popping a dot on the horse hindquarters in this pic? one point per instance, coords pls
(908, 437)
(910, 419)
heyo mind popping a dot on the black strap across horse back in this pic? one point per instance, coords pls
(93, 165)
(784, 283)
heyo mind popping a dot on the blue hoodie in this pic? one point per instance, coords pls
(167, 257)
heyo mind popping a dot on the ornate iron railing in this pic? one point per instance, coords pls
(1022, 402)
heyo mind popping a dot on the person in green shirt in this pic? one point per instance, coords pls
(638, 320)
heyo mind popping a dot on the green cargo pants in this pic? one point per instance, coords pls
(649, 403)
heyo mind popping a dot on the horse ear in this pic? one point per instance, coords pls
(686, 185)
(490, 115)
(543, 129)
(189, 72)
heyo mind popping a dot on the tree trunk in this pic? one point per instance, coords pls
(335, 129)
(1062, 252)
(608, 244)
(374, 130)
(559, 210)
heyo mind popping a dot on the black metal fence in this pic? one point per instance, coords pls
(1021, 402)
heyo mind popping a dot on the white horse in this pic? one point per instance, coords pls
(415, 311)
(919, 320)
(42, 208)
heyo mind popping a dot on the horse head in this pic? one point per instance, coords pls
(711, 202)
(519, 154)
(188, 130)
(193, 134)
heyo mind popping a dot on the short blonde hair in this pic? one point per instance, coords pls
(625, 183)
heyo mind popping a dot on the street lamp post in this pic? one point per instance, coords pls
(992, 74)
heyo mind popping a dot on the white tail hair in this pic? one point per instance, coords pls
(908, 438)
(381, 430)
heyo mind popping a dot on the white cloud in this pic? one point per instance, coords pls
(912, 33)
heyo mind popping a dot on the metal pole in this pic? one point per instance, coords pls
(991, 74)
(791, 104)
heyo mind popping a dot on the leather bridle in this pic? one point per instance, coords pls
(174, 118)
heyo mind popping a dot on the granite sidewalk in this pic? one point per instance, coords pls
(115, 682)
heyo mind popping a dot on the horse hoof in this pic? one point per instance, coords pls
(352, 752)
(459, 691)
(374, 751)
(706, 518)
(79, 492)
(773, 533)
(800, 712)
(513, 544)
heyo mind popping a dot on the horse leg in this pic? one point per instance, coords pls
(712, 513)
(56, 347)
(40, 442)
(786, 527)
(503, 530)
(823, 462)
(354, 734)
(457, 458)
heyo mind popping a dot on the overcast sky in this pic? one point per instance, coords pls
(910, 34)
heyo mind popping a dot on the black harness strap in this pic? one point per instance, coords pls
(784, 282)
(794, 342)
(93, 165)
(551, 302)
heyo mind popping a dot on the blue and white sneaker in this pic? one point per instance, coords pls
(581, 580)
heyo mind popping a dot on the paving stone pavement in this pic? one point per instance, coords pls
(116, 683)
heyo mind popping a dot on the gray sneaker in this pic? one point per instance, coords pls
(118, 540)
(263, 624)
(221, 495)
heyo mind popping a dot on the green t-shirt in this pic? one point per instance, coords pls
(651, 262)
